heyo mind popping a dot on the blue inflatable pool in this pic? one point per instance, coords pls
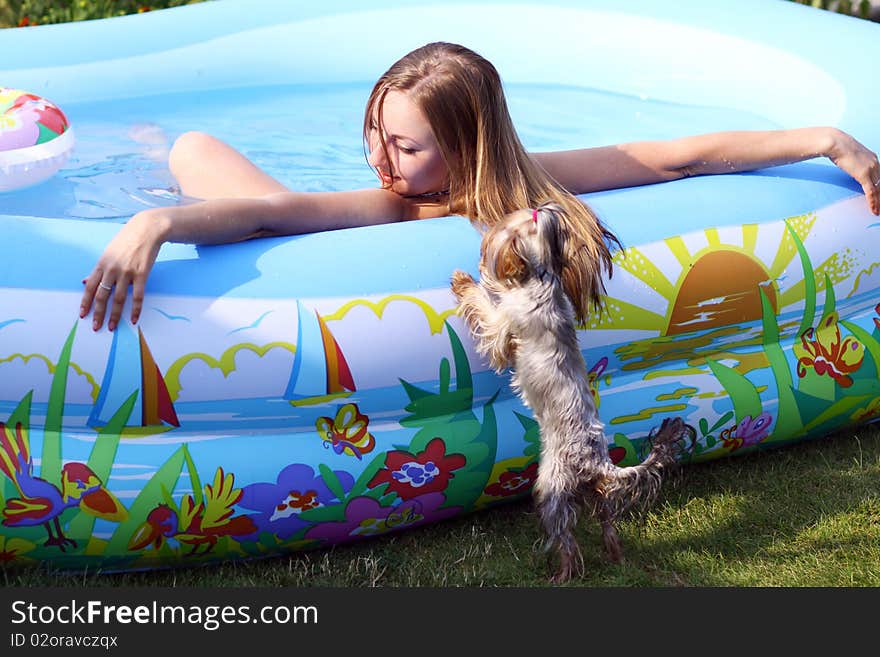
(292, 393)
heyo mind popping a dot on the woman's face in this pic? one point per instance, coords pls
(414, 164)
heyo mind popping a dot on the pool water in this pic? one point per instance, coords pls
(309, 138)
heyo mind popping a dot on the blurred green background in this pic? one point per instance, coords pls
(22, 13)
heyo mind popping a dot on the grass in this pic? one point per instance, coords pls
(806, 515)
(24, 13)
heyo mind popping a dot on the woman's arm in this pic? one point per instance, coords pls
(647, 162)
(130, 255)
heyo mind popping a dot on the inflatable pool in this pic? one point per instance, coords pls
(292, 393)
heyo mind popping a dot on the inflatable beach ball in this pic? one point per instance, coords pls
(35, 139)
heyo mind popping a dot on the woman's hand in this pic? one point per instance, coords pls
(126, 261)
(860, 163)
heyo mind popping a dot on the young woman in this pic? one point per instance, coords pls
(441, 140)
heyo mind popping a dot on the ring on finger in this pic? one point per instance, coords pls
(105, 287)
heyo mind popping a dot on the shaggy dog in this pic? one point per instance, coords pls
(521, 317)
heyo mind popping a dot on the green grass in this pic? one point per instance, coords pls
(15, 13)
(802, 516)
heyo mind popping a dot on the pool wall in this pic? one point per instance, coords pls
(293, 393)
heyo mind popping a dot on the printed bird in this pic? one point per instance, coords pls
(196, 524)
(42, 502)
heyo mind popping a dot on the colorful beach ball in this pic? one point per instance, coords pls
(35, 139)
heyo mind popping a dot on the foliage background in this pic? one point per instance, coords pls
(21, 13)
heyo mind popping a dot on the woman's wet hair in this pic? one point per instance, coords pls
(490, 173)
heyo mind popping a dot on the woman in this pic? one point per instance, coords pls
(440, 138)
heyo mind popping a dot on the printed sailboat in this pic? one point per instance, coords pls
(131, 367)
(319, 375)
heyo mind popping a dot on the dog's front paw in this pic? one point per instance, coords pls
(461, 281)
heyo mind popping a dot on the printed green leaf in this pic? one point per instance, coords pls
(810, 406)
(168, 498)
(101, 462)
(332, 481)
(468, 483)
(532, 436)
(817, 386)
(788, 420)
(193, 476)
(22, 413)
(50, 459)
(632, 455)
(427, 408)
(809, 282)
(463, 378)
(724, 419)
(413, 392)
(743, 394)
(445, 376)
(830, 300)
(835, 412)
(360, 485)
(166, 477)
(332, 513)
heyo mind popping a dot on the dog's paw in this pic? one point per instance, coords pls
(461, 281)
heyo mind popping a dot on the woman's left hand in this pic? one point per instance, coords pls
(859, 162)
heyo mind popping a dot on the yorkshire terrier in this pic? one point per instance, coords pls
(521, 317)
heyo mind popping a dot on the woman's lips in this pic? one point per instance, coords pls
(385, 178)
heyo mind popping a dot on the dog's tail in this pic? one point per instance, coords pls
(624, 488)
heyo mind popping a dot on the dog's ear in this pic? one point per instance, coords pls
(504, 254)
(550, 218)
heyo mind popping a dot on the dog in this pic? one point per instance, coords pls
(521, 317)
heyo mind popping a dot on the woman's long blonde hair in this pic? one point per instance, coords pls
(490, 173)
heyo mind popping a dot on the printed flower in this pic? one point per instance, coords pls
(298, 489)
(593, 377)
(514, 482)
(12, 549)
(825, 351)
(364, 517)
(876, 320)
(869, 412)
(752, 431)
(348, 432)
(410, 475)
(748, 432)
